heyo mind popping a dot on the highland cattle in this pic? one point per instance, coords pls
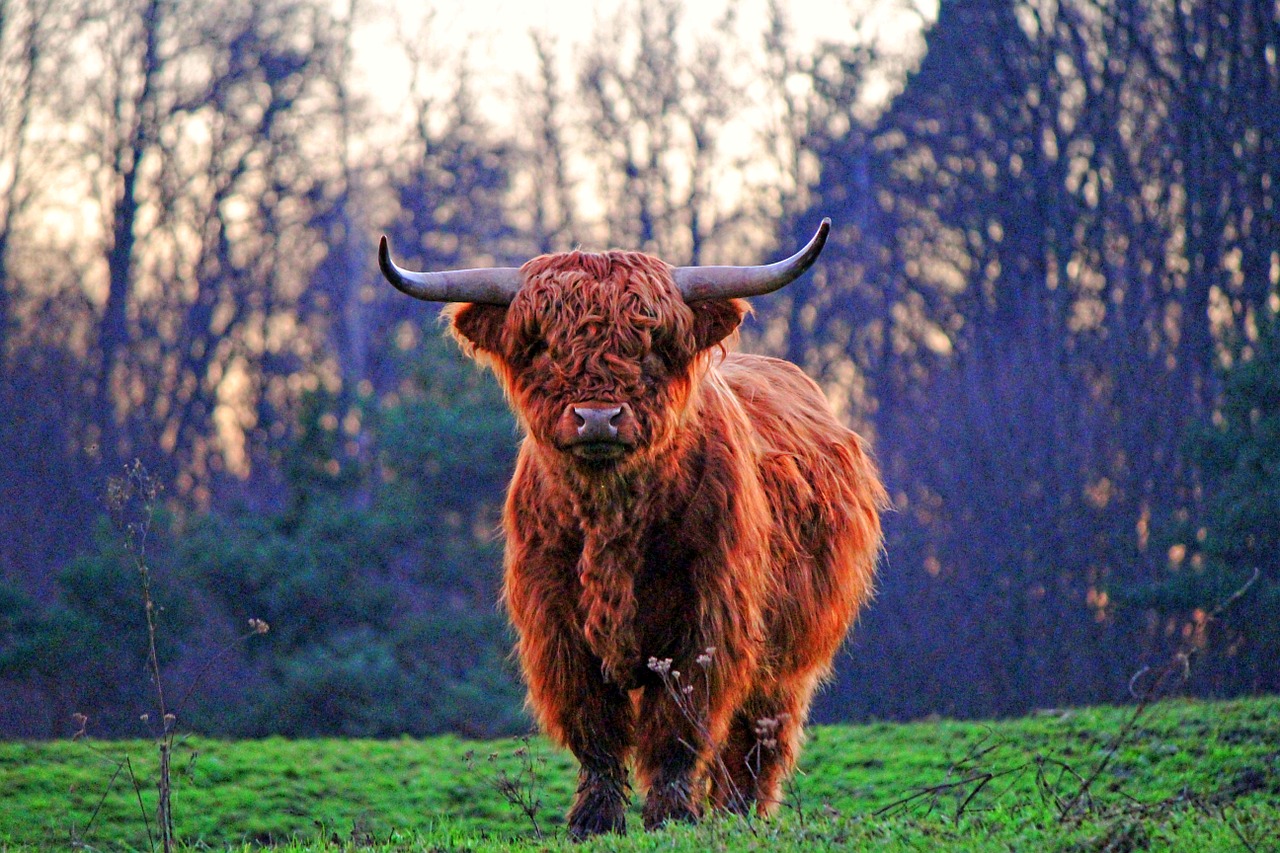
(690, 533)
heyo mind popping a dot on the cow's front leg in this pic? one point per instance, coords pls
(590, 716)
(599, 806)
(597, 723)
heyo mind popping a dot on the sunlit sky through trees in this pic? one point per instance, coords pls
(495, 34)
(494, 41)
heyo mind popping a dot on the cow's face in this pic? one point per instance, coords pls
(598, 353)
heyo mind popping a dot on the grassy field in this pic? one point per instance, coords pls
(1190, 776)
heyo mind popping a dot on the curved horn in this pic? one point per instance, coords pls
(697, 283)
(497, 286)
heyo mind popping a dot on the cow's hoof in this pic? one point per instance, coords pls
(669, 803)
(584, 823)
(599, 809)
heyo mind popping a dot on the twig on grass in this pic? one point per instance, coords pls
(1080, 801)
(795, 797)
(979, 781)
(121, 765)
(974, 781)
(1235, 828)
(1179, 663)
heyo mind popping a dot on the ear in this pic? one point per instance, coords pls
(478, 327)
(716, 319)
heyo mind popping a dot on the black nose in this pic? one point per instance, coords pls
(597, 423)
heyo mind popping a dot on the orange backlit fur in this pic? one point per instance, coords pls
(745, 520)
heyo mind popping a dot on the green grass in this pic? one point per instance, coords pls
(1190, 776)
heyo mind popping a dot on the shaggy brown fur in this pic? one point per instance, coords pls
(742, 518)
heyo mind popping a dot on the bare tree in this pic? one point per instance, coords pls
(813, 108)
(656, 121)
(204, 183)
(546, 154)
(452, 174)
(31, 40)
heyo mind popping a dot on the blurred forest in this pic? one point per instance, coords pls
(1050, 301)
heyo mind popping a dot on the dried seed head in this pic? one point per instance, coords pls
(119, 490)
(662, 667)
(766, 726)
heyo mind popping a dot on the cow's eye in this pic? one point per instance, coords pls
(653, 365)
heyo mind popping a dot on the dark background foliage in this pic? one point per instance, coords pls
(1050, 301)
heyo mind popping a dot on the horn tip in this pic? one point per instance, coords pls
(384, 260)
(819, 239)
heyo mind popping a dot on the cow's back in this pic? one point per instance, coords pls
(825, 494)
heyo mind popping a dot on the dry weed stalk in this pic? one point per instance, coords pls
(682, 694)
(521, 790)
(131, 499)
